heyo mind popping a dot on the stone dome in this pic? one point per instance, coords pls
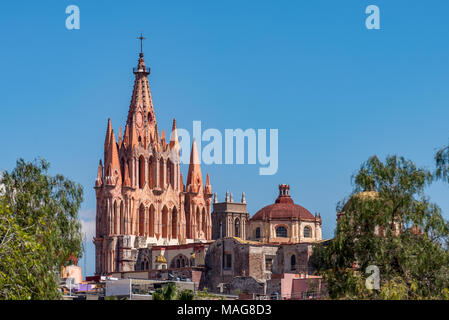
(283, 208)
(364, 195)
(161, 259)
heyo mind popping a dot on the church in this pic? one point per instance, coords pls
(150, 225)
(140, 192)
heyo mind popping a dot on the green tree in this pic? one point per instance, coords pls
(39, 230)
(186, 295)
(390, 223)
(442, 164)
(168, 292)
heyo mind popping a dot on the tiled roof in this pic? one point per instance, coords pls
(283, 210)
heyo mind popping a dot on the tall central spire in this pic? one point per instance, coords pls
(141, 114)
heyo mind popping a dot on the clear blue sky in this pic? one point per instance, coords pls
(337, 92)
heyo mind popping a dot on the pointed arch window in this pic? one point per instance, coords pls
(151, 173)
(141, 172)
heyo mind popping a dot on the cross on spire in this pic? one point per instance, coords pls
(141, 38)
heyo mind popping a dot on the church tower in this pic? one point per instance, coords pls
(229, 218)
(141, 199)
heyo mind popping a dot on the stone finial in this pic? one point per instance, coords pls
(232, 198)
(215, 198)
(243, 197)
(227, 196)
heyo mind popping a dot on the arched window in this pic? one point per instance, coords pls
(115, 222)
(122, 219)
(293, 263)
(198, 222)
(141, 220)
(122, 168)
(203, 223)
(179, 261)
(151, 179)
(169, 177)
(188, 235)
(151, 222)
(165, 222)
(161, 173)
(174, 223)
(141, 172)
(237, 227)
(281, 232)
(257, 233)
(307, 233)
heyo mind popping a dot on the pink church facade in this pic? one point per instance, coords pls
(141, 198)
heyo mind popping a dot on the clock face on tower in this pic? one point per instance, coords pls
(139, 119)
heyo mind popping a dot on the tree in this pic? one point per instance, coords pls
(186, 294)
(442, 164)
(168, 292)
(39, 230)
(390, 223)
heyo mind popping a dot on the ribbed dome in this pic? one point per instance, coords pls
(364, 195)
(283, 208)
(161, 259)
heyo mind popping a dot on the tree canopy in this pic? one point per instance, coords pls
(442, 163)
(387, 222)
(39, 230)
(170, 292)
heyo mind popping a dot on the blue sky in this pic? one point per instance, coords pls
(337, 92)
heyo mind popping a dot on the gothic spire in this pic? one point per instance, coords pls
(99, 180)
(194, 181)
(141, 109)
(112, 163)
(208, 187)
(174, 140)
(107, 139)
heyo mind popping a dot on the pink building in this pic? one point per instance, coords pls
(141, 196)
(291, 286)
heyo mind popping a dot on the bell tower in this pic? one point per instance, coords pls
(229, 218)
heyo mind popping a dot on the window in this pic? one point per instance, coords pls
(237, 228)
(307, 232)
(293, 263)
(268, 264)
(228, 261)
(141, 172)
(281, 232)
(257, 233)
